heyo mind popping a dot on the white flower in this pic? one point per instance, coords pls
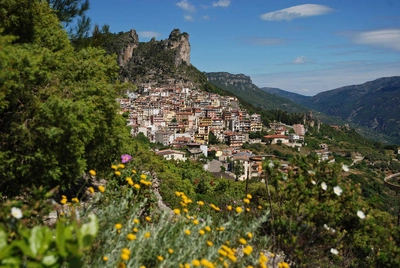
(334, 251)
(284, 177)
(324, 186)
(326, 227)
(345, 168)
(313, 182)
(361, 214)
(337, 190)
(311, 172)
(16, 213)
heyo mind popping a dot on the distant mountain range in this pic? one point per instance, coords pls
(374, 105)
(242, 86)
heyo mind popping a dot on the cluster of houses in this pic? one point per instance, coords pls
(183, 117)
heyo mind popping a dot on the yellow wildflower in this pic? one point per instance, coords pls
(201, 232)
(121, 265)
(114, 167)
(102, 188)
(242, 241)
(131, 237)
(91, 190)
(246, 201)
(92, 172)
(222, 229)
(170, 251)
(121, 166)
(143, 176)
(248, 209)
(187, 232)
(232, 257)
(249, 196)
(137, 186)
(124, 256)
(185, 210)
(209, 243)
(196, 263)
(208, 229)
(64, 201)
(136, 221)
(126, 251)
(105, 258)
(222, 252)
(134, 171)
(239, 210)
(177, 211)
(229, 207)
(160, 258)
(147, 235)
(118, 226)
(135, 230)
(76, 200)
(249, 235)
(147, 218)
(200, 203)
(248, 250)
(259, 207)
(117, 173)
(195, 222)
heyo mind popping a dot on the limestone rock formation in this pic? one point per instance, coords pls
(126, 52)
(180, 43)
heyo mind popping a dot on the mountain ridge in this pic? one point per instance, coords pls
(374, 104)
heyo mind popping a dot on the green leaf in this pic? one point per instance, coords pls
(88, 232)
(40, 240)
(24, 247)
(3, 239)
(11, 262)
(60, 238)
(49, 260)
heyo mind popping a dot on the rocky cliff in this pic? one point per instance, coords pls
(164, 62)
(239, 81)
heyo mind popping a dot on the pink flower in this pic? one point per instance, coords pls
(125, 158)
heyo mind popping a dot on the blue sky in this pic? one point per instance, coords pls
(298, 46)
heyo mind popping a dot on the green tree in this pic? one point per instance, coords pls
(57, 106)
(238, 169)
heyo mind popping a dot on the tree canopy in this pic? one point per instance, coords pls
(58, 115)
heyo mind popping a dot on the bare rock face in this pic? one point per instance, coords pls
(180, 43)
(125, 54)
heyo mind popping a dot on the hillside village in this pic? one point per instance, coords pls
(186, 118)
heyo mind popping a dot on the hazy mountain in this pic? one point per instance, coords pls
(242, 86)
(374, 105)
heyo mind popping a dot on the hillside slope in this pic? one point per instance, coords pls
(242, 86)
(374, 104)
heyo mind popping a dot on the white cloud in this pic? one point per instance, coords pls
(386, 38)
(306, 10)
(300, 60)
(188, 18)
(206, 17)
(185, 5)
(148, 34)
(222, 3)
